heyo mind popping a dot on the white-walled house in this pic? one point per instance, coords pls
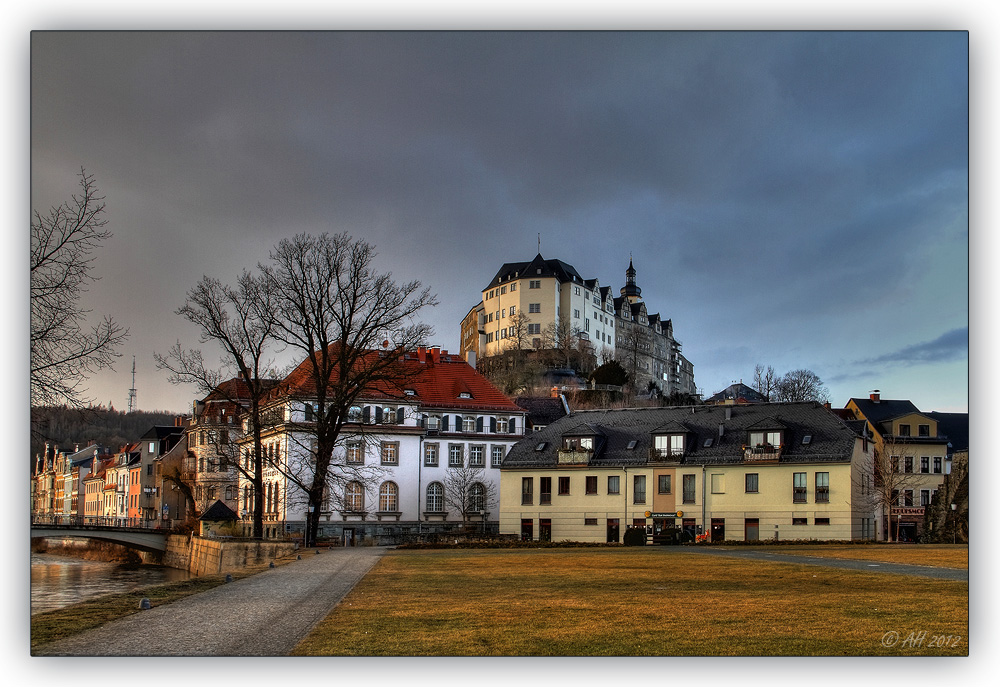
(397, 454)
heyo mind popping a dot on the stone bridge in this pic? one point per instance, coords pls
(135, 537)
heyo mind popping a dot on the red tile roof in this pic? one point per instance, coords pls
(436, 378)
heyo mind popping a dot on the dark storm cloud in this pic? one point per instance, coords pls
(757, 178)
(952, 345)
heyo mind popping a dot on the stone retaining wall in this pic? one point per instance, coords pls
(201, 556)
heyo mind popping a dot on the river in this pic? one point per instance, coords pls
(60, 581)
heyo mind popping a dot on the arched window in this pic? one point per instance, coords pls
(354, 497)
(388, 497)
(435, 497)
(477, 497)
(229, 492)
(267, 498)
(276, 507)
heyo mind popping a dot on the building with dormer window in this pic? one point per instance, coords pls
(760, 471)
(401, 453)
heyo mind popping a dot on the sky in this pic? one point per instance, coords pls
(794, 199)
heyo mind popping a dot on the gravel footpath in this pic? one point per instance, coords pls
(265, 614)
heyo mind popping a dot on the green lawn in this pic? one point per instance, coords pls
(611, 602)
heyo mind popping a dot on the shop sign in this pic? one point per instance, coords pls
(906, 511)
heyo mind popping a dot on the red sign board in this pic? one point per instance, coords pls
(906, 511)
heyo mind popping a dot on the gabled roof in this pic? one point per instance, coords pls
(218, 511)
(884, 410)
(955, 426)
(738, 392)
(537, 267)
(542, 410)
(832, 441)
(437, 380)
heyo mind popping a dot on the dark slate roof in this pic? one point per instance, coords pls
(955, 426)
(735, 392)
(524, 270)
(542, 410)
(160, 432)
(884, 410)
(831, 439)
(219, 511)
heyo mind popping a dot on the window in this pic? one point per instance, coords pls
(904, 430)
(390, 453)
(431, 455)
(534, 283)
(576, 314)
(578, 443)
(907, 497)
(590, 521)
(355, 414)
(613, 484)
(502, 424)
(718, 483)
(435, 497)
(687, 485)
(925, 497)
(762, 439)
(591, 484)
(535, 329)
(355, 452)
(638, 489)
(388, 497)
(513, 287)
(477, 456)
(468, 423)
(496, 456)
(822, 521)
(669, 445)
(799, 487)
(822, 487)
(434, 422)
(354, 497)
(925, 464)
(544, 490)
(513, 310)
(477, 497)
(564, 486)
(456, 456)
(663, 484)
(526, 487)
(800, 521)
(751, 483)
(894, 463)
(923, 430)
(534, 307)
(908, 464)
(937, 465)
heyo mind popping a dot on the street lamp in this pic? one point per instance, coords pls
(954, 527)
(482, 514)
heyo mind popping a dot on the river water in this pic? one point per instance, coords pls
(60, 581)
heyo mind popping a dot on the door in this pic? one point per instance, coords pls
(751, 529)
(718, 529)
(613, 530)
(527, 530)
(544, 530)
(348, 536)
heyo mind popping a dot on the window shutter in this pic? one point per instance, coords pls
(493, 425)
(399, 416)
(366, 415)
(512, 425)
(458, 423)
(444, 423)
(423, 421)
(479, 424)
(378, 415)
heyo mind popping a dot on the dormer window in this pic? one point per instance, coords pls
(669, 445)
(464, 394)
(354, 414)
(434, 422)
(765, 439)
(578, 443)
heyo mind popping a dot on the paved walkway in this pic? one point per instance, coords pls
(849, 564)
(265, 614)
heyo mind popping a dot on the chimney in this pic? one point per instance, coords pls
(875, 396)
(470, 358)
(827, 406)
(435, 354)
(722, 429)
(421, 354)
(729, 412)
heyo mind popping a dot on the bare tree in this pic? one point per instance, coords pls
(800, 385)
(353, 325)
(884, 481)
(240, 321)
(632, 343)
(765, 381)
(63, 352)
(563, 338)
(467, 490)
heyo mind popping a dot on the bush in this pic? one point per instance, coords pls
(634, 536)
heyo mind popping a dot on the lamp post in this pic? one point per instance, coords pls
(482, 514)
(954, 535)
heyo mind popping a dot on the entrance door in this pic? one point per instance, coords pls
(689, 528)
(544, 530)
(718, 529)
(348, 536)
(527, 530)
(613, 530)
(752, 529)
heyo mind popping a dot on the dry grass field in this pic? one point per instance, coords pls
(618, 602)
(939, 555)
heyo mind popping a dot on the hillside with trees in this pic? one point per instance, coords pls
(67, 426)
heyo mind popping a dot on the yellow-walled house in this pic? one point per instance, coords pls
(761, 471)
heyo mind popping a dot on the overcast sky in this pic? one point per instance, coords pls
(793, 199)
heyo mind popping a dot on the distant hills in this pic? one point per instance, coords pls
(108, 427)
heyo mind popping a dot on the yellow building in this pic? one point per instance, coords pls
(918, 459)
(762, 471)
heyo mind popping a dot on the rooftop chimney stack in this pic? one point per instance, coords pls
(875, 396)
(722, 429)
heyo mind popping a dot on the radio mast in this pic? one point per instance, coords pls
(132, 405)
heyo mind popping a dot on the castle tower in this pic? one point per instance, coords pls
(630, 291)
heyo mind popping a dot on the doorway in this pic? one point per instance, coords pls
(718, 529)
(348, 536)
(613, 530)
(752, 529)
(544, 530)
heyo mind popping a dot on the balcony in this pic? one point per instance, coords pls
(762, 454)
(574, 456)
(666, 455)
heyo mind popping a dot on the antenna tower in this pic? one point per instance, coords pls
(131, 392)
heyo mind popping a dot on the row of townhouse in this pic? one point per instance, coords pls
(761, 471)
(58, 479)
(543, 292)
